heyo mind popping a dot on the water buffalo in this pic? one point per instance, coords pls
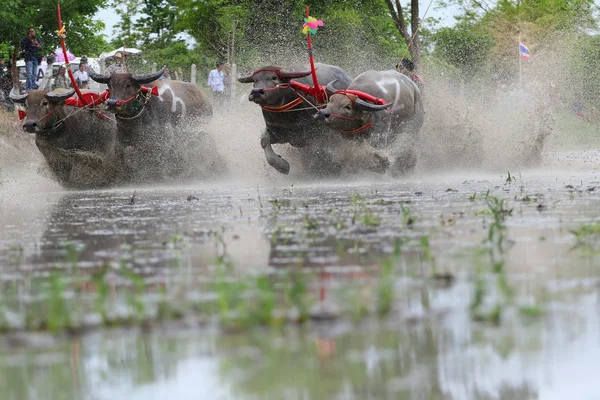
(77, 144)
(287, 114)
(383, 108)
(151, 151)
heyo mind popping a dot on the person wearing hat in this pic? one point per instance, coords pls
(61, 81)
(216, 80)
(116, 67)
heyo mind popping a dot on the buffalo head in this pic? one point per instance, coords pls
(346, 111)
(43, 109)
(268, 78)
(124, 90)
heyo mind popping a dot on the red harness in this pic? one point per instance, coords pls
(352, 95)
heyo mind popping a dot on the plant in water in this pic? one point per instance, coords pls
(428, 256)
(370, 219)
(587, 235)
(408, 219)
(296, 294)
(58, 311)
(101, 292)
(510, 178)
(385, 291)
(135, 298)
(264, 301)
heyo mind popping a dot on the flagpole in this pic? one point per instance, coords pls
(520, 60)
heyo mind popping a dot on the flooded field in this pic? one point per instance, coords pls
(436, 286)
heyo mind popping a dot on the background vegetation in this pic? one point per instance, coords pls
(482, 46)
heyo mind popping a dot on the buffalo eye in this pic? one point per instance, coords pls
(128, 85)
(274, 78)
(44, 103)
(348, 107)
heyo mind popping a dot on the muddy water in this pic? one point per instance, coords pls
(429, 347)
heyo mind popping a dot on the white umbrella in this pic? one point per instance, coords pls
(126, 50)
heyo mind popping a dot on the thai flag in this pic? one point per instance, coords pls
(523, 50)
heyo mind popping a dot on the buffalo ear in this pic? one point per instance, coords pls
(246, 79)
(142, 79)
(16, 97)
(59, 97)
(366, 106)
(98, 77)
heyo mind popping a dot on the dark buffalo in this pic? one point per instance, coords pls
(152, 151)
(288, 116)
(382, 108)
(78, 144)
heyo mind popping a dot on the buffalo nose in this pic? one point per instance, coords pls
(257, 92)
(30, 126)
(323, 114)
(111, 104)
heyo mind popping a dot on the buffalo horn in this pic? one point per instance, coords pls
(294, 75)
(59, 96)
(147, 78)
(17, 98)
(99, 78)
(366, 106)
(246, 79)
(331, 88)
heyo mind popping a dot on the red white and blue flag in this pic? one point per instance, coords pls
(524, 51)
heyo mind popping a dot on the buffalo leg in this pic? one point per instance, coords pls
(274, 159)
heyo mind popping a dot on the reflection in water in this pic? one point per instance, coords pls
(428, 349)
(434, 357)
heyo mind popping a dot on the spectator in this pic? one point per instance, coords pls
(117, 66)
(407, 67)
(216, 80)
(165, 75)
(81, 76)
(61, 81)
(30, 47)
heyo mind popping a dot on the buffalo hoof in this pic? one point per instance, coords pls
(281, 165)
(405, 163)
(380, 163)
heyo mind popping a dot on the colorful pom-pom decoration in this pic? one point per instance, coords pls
(311, 25)
(62, 33)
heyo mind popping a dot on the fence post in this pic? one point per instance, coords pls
(153, 68)
(193, 77)
(232, 81)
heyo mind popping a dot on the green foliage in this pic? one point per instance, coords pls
(84, 34)
(464, 47)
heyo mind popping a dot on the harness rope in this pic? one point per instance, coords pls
(289, 107)
(75, 110)
(147, 98)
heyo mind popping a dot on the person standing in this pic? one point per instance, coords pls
(61, 81)
(117, 67)
(81, 76)
(31, 46)
(166, 75)
(216, 80)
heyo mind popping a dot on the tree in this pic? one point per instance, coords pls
(463, 47)
(411, 39)
(82, 30)
(157, 22)
(126, 32)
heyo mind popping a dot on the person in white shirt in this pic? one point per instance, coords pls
(81, 76)
(216, 80)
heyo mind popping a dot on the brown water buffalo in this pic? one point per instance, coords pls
(77, 144)
(288, 116)
(382, 108)
(151, 150)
